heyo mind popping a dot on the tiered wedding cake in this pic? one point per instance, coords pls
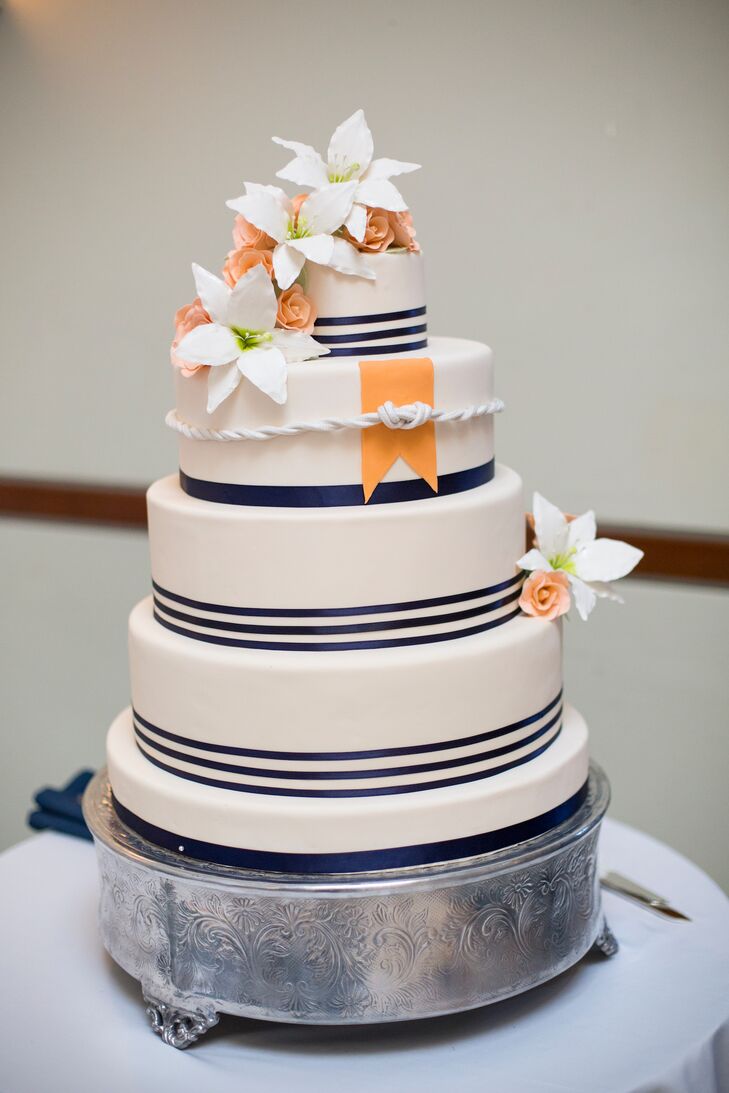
(341, 667)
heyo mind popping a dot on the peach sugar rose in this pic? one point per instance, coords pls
(186, 319)
(378, 234)
(246, 234)
(404, 232)
(240, 261)
(295, 310)
(545, 594)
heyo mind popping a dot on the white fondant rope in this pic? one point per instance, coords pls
(394, 417)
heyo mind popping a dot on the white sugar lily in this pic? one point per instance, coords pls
(349, 158)
(570, 547)
(241, 339)
(308, 235)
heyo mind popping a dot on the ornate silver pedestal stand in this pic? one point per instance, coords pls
(340, 948)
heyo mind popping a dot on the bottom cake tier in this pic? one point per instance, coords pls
(299, 834)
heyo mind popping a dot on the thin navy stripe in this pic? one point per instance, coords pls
(349, 628)
(338, 756)
(303, 497)
(383, 317)
(334, 646)
(356, 861)
(371, 336)
(330, 612)
(373, 350)
(347, 775)
(376, 791)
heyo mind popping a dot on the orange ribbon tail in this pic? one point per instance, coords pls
(400, 382)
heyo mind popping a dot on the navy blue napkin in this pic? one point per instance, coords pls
(60, 809)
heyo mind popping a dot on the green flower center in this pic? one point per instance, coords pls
(564, 562)
(298, 229)
(250, 339)
(343, 172)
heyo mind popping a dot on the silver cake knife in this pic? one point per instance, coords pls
(616, 882)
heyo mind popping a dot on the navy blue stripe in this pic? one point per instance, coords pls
(372, 336)
(376, 791)
(332, 612)
(337, 756)
(335, 646)
(356, 861)
(373, 350)
(383, 317)
(347, 775)
(349, 628)
(305, 497)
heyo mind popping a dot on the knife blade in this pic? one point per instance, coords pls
(624, 886)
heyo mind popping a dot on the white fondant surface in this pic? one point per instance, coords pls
(399, 285)
(239, 556)
(343, 700)
(326, 388)
(340, 825)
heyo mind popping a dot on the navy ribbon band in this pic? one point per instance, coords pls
(357, 861)
(304, 497)
(335, 646)
(347, 774)
(359, 320)
(378, 350)
(347, 756)
(370, 336)
(348, 628)
(333, 612)
(372, 791)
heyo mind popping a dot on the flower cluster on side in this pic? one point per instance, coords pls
(257, 317)
(568, 561)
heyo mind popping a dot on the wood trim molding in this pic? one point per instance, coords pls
(670, 554)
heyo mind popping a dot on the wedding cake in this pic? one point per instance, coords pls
(351, 658)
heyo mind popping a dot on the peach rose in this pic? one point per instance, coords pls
(545, 595)
(186, 319)
(240, 261)
(246, 234)
(403, 230)
(295, 310)
(378, 234)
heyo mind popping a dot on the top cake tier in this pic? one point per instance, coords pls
(384, 317)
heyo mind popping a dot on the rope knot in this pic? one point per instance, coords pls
(404, 417)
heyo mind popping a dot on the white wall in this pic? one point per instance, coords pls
(573, 211)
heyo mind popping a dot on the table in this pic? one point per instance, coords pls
(653, 1018)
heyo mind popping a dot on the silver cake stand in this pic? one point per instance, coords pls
(343, 948)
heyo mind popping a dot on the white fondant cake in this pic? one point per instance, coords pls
(336, 670)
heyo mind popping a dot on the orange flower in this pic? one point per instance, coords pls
(403, 230)
(379, 233)
(240, 261)
(186, 319)
(246, 234)
(295, 310)
(545, 595)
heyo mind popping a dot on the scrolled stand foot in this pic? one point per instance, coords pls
(178, 1027)
(606, 941)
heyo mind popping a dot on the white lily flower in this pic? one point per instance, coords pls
(241, 339)
(349, 158)
(570, 546)
(310, 235)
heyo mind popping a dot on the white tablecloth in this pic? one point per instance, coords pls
(654, 1018)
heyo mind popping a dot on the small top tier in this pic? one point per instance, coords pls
(369, 318)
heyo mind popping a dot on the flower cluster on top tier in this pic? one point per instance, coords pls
(258, 318)
(567, 558)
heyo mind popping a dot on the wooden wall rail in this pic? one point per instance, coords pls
(669, 554)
